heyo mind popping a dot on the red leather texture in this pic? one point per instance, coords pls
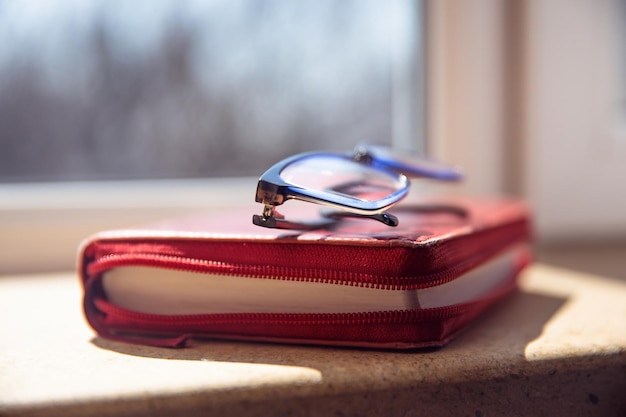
(436, 242)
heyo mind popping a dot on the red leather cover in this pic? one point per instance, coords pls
(435, 242)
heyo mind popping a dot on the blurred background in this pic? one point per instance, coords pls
(93, 89)
(113, 112)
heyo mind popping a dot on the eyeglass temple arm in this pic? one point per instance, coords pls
(384, 217)
(272, 219)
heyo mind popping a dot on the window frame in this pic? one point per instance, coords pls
(43, 224)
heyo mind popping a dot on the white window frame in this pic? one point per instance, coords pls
(574, 144)
(42, 224)
(517, 93)
(467, 105)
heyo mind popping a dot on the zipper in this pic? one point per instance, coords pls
(175, 331)
(383, 317)
(181, 263)
(118, 255)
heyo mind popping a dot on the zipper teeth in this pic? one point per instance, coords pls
(325, 276)
(150, 323)
(384, 317)
(186, 264)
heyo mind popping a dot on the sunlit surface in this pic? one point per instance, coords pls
(51, 345)
(528, 351)
(591, 320)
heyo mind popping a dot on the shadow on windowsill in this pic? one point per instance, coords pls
(604, 259)
(497, 338)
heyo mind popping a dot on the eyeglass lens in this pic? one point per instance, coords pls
(341, 175)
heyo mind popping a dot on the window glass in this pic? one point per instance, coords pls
(101, 89)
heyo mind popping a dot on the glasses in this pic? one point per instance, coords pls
(363, 183)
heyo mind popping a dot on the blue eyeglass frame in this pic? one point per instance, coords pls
(273, 190)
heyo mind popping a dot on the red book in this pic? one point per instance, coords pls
(358, 283)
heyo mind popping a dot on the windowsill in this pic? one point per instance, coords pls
(554, 348)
